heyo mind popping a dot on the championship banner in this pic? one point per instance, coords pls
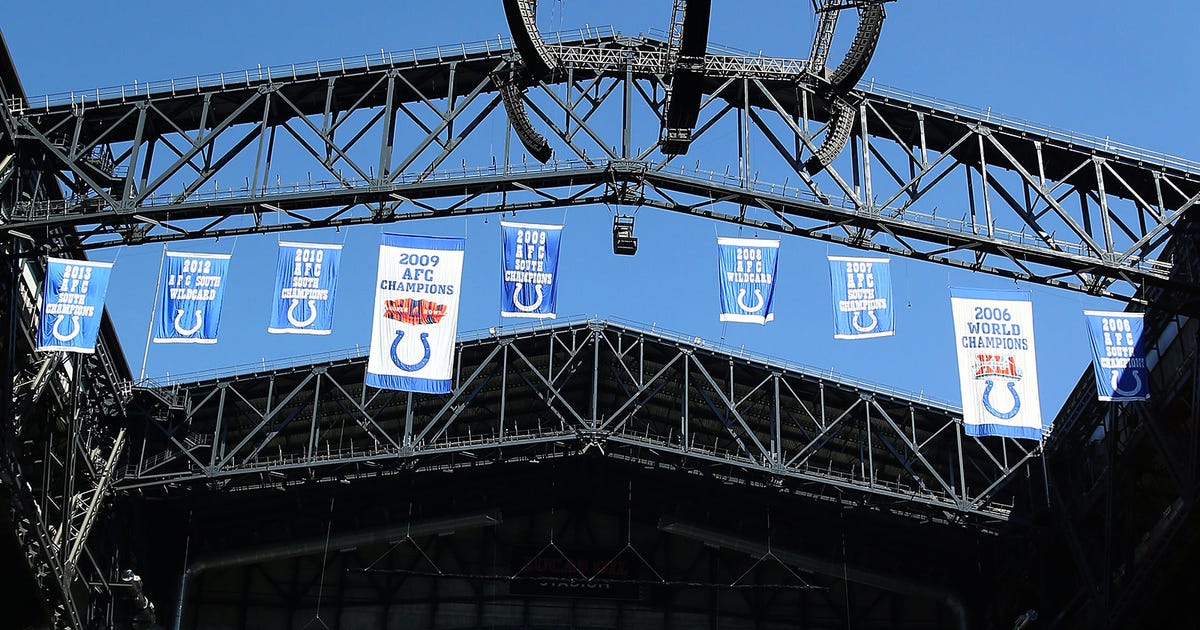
(529, 286)
(1119, 355)
(997, 368)
(72, 304)
(415, 320)
(305, 282)
(862, 297)
(189, 303)
(747, 269)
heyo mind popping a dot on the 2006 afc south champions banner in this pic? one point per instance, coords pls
(72, 304)
(189, 302)
(305, 282)
(997, 367)
(529, 286)
(862, 297)
(1119, 355)
(415, 319)
(747, 268)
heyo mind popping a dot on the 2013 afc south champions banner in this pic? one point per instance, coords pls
(72, 304)
(862, 297)
(189, 302)
(305, 282)
(997, 367)
(747, 267)
(1119, 355)
(529, 286)
(415, 319)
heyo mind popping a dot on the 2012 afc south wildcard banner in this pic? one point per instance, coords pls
(72, 304)
(1119, 356)
(997, 366)
(529, 286)
(305, 282)
(189, 302)
(415, 319)
(747, 267)
(862, 297)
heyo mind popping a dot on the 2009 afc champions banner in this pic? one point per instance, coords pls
(529, 286)
(997, 367)
(72, 304)
(1119, 355)
(747, 268)
(189, 301)
(305, 283)
(862, 297)
(415, 318)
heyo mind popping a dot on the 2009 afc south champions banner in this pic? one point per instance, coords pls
(1119, 355)
(189, 302)
(529, 286)
(305, 282)
(997, 367)
(72, 304)
(862, 297)
(747, 268)
(415, 319)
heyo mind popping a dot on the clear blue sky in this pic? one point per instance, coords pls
(1099, 67)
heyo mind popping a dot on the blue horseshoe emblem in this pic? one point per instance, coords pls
(987, 403)
(872, 322)
(1117, 376)
(410, 367)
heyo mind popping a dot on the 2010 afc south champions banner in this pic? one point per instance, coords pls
(72, 304)
(305, 282)
(1119, 355)
(997, 367)
(529, 286)
(862, 297)
(189, 302)
(416, 313)
(747, 267)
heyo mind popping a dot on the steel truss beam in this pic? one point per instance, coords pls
(566, 390)
(373, 140)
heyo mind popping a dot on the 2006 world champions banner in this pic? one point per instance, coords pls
(415, 318)
(189, 302)
(529, 285)
(862, 297)
(997, 367)
(72, 304)
(747, 268)
(305, 282)
(1119, 355)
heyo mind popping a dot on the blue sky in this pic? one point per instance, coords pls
(1095, 67)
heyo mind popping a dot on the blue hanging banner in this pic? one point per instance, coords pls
(415, 320)
(305, 282)
(72, 304)
(747, 268)
(529, 285)
(1119, 355)
(189, 302)
(862, 297)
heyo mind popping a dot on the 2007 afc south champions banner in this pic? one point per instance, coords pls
(72, 304)
(747, 268)
(862, 297)
(189, 302)
(529, 286)
(305, 282)
(1119, 355)
(415, 319)
(997, 366)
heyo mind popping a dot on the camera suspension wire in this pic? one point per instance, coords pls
(153, 308)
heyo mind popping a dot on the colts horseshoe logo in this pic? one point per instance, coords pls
(188, 332)
(410, 367)
(298, 323)
(1119, 391)
(874, 322)
(987, 403)
(741, 299)
(77, 328)
(531, 307)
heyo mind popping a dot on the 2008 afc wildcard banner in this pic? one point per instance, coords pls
(529, 286)
(862, 297)
(305, 283)
(189, 302)
(747, 267)
(72, 304)
(997, 366)
(415, 319)
(1119, 356)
